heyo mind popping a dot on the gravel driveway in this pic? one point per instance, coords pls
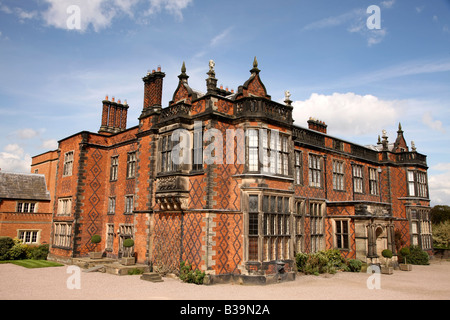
(423, 282)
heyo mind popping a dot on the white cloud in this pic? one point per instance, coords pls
(174, 7)
(348, 114)
(100, 13)
(92, 12)
(439, 184)
(427, 119)
(50, 144)
(220, 37)
(14, 159)
(388, 3)
(27, 133)
(333, 21)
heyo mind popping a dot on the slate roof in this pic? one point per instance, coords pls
(23, 186)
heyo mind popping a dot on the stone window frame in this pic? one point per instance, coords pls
(358, 178)
(114, 170)
(112, 205)
(34, 236)
(261, 137)
(64, 206)
(27, 206)
(373, 181)
(298, 167)
(341, 239)
(131, 164)
(68, 163)
(315, 170)
(110, 234)
(316, 215)
(129, 204)
(338, 171)
(62, 238)
(256, 227)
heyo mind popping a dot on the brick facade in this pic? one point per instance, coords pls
(25, 207)
(236, 214)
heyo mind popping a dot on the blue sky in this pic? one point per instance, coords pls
(54, 75)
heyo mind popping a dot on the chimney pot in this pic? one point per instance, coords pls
(159, 68)
(112, 99)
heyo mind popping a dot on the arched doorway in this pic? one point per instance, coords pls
(379, 241)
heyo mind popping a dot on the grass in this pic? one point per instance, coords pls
(28, 263)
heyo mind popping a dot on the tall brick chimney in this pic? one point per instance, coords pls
(317, 125)
(114, 116)
(153, 86)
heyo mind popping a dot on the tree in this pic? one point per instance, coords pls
(440, 214)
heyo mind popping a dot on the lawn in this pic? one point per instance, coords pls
(28, 263)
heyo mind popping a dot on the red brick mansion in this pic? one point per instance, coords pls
(226, 181)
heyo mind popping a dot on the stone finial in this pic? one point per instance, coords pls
(413, 146)
(255, 69)
(287, 98)
(183, 76)
(212, 64)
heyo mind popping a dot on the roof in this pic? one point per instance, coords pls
(24, 186)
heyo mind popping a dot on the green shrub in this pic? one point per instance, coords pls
(135, 271)
(327, 261)
(96, 238)
(39, 252)
(127, 243)
(6, 243)
(190, 276)
(417, 256)
(386, 253)
(354, 265)
(301, 259)
(18, 251)
(403, 255)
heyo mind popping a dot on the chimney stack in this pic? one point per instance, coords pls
(317, 125)
(153, 86)
(114, 116)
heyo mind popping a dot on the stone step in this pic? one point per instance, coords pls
(152, 276)
(96, 268)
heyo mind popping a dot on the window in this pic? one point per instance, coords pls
(64, 207)
(342, 234)
(276, 231)
(298, 174)
(417, 184)
(253, 228)
(114, 168)
(373, 181)
(411, 184)
(112, 205)
(62, 235)
(197, 151)
(421, 228)
(316, 221)
(422, 184)
(274, 151)
(357, 179)
(315, 171)
(299, 226)
(109, 236)
(68, 164)
(131, 165)
(129, 204)
(26, 207)
(28, 236)
(338, 175)
(253, 163)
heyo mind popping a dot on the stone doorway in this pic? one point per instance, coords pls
(379, 242)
